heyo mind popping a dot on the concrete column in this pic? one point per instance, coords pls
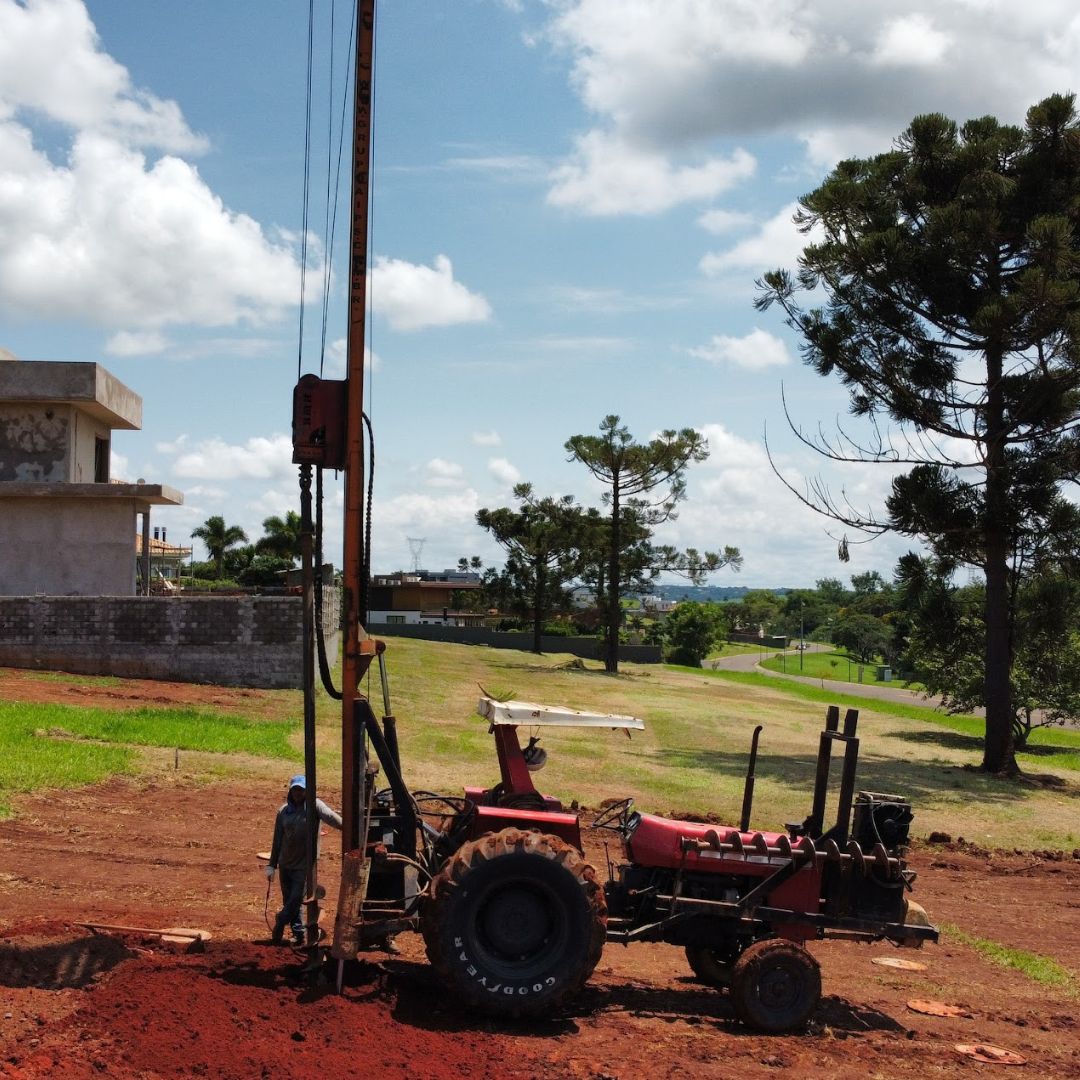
(146, 551)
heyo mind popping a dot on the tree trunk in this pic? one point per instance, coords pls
(614, 610)
(998, 749)
(539, 577)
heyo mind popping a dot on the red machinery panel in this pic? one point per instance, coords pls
(319, 412)
(657, 841)
(491, 819)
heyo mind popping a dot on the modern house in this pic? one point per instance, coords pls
(424, 598)
(65, 524)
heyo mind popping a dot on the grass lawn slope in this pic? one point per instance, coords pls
(691, 759)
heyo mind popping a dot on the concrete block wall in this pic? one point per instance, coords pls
(250, 641)
(586, 647)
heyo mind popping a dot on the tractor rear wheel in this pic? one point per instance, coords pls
(514, 923)
(712, 964)
(775, 986)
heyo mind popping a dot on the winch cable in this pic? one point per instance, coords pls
(307, 187)
(311, 903)
(330, 225)
(365, 570)
(333, 173)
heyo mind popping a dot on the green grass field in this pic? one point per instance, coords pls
(61, 746)
(835, 665)
(690, 759)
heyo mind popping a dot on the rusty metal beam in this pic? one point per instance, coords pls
(358, 649)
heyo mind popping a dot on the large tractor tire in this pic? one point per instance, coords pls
(775, 986)
(514, 923)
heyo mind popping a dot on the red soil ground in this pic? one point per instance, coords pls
(170, 852)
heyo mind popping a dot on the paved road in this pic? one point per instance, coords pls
(752, 662)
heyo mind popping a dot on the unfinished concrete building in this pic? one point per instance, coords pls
(66, 527)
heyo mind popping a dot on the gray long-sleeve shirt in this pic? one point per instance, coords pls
(289, 849)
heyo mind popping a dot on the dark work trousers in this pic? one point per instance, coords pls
(292, 896)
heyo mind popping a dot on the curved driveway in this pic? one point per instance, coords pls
(752, 662)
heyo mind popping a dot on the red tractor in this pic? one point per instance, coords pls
(514, 917)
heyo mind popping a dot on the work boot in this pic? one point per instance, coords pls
(278, 933)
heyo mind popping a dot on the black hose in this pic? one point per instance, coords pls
(320, 636)
(365, 569)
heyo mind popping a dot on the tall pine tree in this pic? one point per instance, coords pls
(951, 267)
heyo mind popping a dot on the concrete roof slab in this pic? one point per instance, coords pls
(148, 494)
(87, 386)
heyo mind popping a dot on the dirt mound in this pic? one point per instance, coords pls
(243, 1010)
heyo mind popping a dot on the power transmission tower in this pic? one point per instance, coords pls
(416, 548)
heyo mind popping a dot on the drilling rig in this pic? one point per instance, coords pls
(513, 916)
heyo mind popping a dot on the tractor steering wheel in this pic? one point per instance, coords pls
(615, 816)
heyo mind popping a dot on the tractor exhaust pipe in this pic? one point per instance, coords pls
(389, 720)
(748, 788)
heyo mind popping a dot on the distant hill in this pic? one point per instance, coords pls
(715, 593)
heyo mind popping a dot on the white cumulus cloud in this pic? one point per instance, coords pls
(136, 343)
(754, 351)
(51, 62)
(101, 218)
(735, 498)
(486, 438)
(776, 243)
(414, 297)
(608, 175)
(720, 221)
(681, 79)
(504, 472)
(258, 458)
(911, 40)
(446, 522)
(443, 473)
(114, 239)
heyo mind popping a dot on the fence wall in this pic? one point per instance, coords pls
(226, 640)
(585, 647)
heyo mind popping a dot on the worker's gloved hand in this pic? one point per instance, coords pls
(270, 872)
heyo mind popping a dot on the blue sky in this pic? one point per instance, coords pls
(572, 199)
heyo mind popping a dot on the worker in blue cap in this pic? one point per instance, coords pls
(288, 854)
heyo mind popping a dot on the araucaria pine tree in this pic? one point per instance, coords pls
(951, 268)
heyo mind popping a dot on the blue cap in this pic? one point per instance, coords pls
(298, 781)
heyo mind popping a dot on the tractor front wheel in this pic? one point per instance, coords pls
(775, 986)
(514, 923)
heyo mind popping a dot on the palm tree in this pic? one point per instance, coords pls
(282, 536)
(218, 538)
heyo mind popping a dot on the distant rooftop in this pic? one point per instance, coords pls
(87, 386)
(430, 579)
